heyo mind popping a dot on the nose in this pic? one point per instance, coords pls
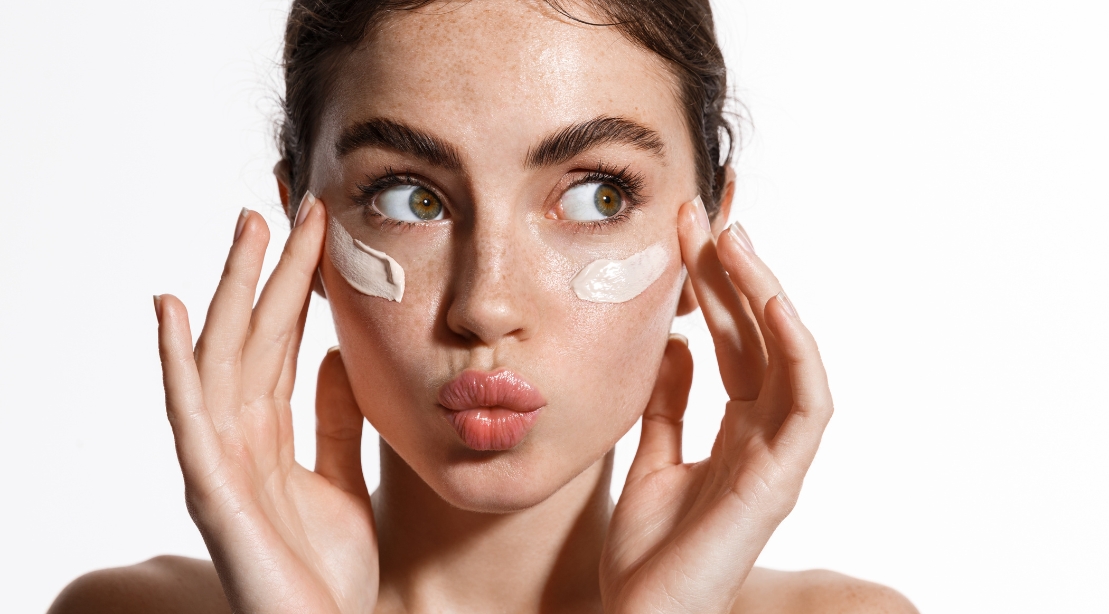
(492, 291)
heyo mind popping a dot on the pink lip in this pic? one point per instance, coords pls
(491, 411)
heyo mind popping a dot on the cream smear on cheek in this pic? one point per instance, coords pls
(367, 270)
(619, 281)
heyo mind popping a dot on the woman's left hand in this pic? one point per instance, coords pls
(683, 537)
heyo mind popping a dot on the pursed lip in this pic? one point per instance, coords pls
(473, 389)
(491, 411)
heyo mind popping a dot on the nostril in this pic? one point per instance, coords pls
(488, 312)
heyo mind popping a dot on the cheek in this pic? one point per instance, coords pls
(607, 357)
(367, 270)
(619, 281)
(596, 362)
(389, 341)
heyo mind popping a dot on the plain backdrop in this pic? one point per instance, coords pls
(928, 179)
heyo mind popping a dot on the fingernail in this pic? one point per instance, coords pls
(243, 215)
(702, 215)
(306, 205)
(680, 337)
(333, 348)
(158, 306)
(787, 305)
(740, 235)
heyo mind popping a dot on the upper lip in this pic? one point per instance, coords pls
(501, 388)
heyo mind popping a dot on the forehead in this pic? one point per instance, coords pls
(517, 68)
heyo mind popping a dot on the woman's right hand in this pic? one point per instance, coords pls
(283, 538)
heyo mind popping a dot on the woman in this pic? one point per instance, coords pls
(497, 199)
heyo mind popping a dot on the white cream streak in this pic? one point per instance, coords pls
(367, 270)
(619, 281)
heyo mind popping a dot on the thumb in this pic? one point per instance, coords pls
(660, 444)
(338, 427)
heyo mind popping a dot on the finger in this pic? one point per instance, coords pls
(338, 428)
(660, 444)
(811, 399)
(284, 390)
(273, 324)
(747, 271)
(758, 283)
(739, 346)
(194, 434)
(225, 328)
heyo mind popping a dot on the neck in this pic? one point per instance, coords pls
(436, 557)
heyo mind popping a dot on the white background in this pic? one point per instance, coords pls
(929, 180)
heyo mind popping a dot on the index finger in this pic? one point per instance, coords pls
(739, 344)
(273, 325)
(747, 271)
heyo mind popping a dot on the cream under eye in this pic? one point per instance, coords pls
(409, 203)
(592, 201)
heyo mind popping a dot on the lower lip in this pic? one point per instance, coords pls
(492, 428)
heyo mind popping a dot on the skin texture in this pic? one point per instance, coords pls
(530, 529)
(473, 298)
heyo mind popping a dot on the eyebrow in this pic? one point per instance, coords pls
(389, 134)
(554, 149)
(578, 138)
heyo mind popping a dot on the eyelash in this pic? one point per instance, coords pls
(628, 182)
(367, 191)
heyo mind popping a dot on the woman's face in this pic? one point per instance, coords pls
(534, 146)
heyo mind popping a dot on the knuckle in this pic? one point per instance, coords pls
(340, 433)
(195, 503)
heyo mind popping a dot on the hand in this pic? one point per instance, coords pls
(283, 538)
(683, 537)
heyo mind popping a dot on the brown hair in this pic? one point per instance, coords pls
(680, 31)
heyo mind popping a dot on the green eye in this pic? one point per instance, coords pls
(409, 203)
(592, 201)
(424, 204)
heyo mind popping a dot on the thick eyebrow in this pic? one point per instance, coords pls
(581, 137)
(389, 134)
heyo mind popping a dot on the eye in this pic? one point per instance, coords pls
(409, 203)
(592, 201)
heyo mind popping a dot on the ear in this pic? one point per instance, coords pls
(281, 173)
(687, 303)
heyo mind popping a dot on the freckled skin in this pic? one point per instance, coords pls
(489, 287)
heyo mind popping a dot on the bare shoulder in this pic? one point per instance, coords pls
(162, 585)
(817, 591)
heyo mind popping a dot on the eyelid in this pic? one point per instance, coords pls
(628, 182)
(630, 208)
(367, 194)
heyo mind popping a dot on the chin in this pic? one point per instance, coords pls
(498, 482)
(507, 481)
(504, 500)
